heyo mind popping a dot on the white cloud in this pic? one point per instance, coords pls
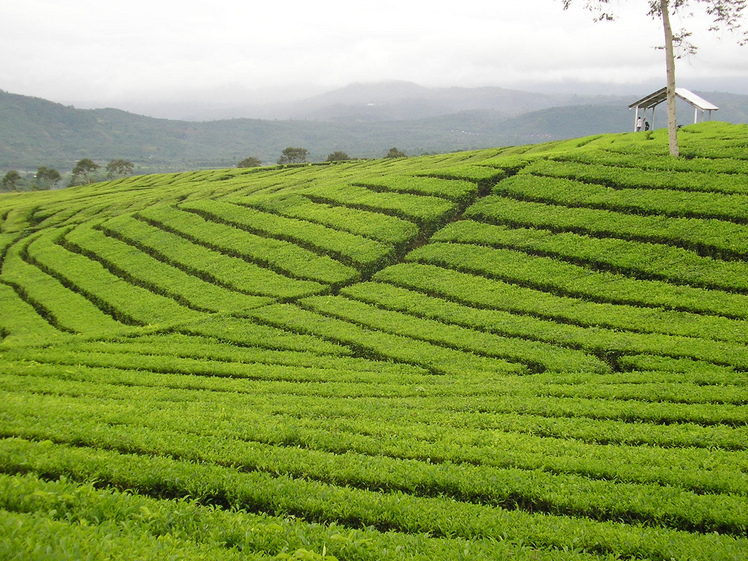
(162, 50)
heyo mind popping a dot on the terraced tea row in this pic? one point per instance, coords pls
(104, 412)
(535, 352)
(621, 178)
(138, 524)
(630, 258)
(170, 259)
(660, 202)
(475, 291)
(510, 488)
(706, 237)
(566, 279)
(311, 499)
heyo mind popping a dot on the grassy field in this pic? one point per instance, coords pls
(531, 353)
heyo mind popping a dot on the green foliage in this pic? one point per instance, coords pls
(337, 156)
(351, 249)
(292, 155)
(11, 180)
(424, 210)
(619, 177)
(477, 291)
(83, 170)
(370, 224)
(395, 153)
(644, 260)
(60, 307)
(707, 237)
(47, 178)
(567, 279)
(536, 355)
(249, 162)
(439, 517)
(654, 202)
(156, 276)
(119, 168)
(533, 353)
(209, 265)
(456, 190)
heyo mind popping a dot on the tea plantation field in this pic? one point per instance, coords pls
(528, 353)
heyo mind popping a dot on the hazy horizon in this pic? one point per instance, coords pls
(253, 104)
(151, 53)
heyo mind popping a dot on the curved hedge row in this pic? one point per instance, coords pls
(442, 357)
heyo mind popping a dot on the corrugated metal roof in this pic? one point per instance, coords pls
(660, 96)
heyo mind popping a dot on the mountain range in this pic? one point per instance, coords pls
(363, 120)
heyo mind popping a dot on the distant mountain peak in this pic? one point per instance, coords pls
(372, 92)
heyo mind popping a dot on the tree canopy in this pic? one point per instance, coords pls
(250, 162)
(337, 156)
(47, 178)
(293, 156)
(11, 180)
(119, 168)
(83, 170)
(395, 153)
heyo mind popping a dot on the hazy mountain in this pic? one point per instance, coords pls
(391, 101)
(36, 132)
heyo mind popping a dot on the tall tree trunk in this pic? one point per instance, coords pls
(672, 121)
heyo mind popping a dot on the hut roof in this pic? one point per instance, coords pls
(660, 96)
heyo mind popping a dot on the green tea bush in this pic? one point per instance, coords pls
(206, 264)
(457, 190)
(157, 276)
(375, 225)
(635, 259)
(654, 202)
(533, 352)
(437, 516)
(424, 210)
(363, 253)
(475, 291)
(67, 310)
(570, 280)
(281, 256)
(631, 178)
(710, 238)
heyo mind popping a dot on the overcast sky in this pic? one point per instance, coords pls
(111, 53)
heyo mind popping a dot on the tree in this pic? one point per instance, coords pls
(119, 168)
(249, 163)
(47, 178)
(395, 153)
(726, 14)
(337, 156)
(293, 156)
(83, 169)
(11, 180)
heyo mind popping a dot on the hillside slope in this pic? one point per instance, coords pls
(536, 352)
(36, 132)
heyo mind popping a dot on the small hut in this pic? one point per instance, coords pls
(654, 99)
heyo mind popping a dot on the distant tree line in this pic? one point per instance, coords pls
(292, 155)
(83, 173)
(86, 170)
